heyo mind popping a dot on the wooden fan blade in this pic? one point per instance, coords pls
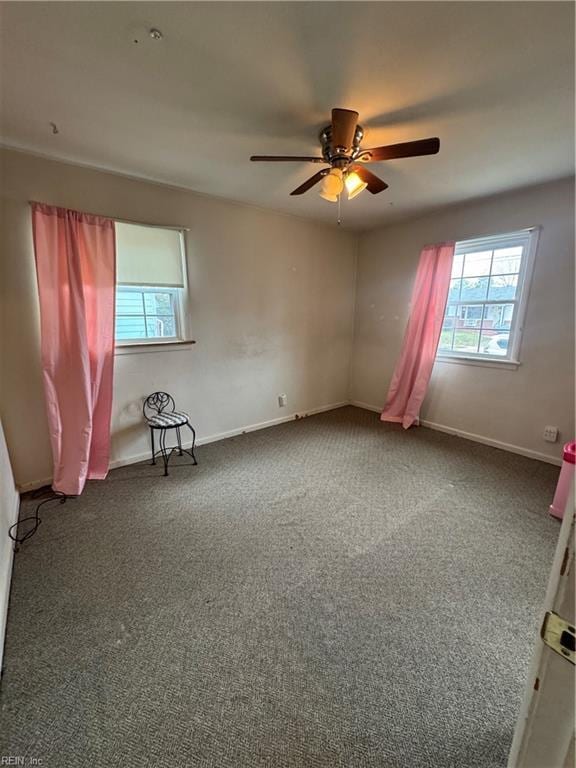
(406, 149)
(286, 159)
(344, 123)
(310, 183)
(374, 184)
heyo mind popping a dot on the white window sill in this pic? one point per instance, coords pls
(157, 346)
(486, 362)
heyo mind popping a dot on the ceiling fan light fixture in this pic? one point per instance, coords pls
(354, 185)
(332, 185)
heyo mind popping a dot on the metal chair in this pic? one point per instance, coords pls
(160, 413)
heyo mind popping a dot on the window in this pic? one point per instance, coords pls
(151, 291)
(146, 313)
(487, 297)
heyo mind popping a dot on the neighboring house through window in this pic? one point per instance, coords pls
(151, 285)
(487, 297)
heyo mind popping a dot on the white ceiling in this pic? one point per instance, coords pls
(495, 81)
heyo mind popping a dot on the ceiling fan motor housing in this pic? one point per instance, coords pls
(340, 157)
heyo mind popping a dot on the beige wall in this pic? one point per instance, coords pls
(271, 308)
(503, 405)
(8, 515)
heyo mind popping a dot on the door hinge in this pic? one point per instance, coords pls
(564, 561)
(559, 635)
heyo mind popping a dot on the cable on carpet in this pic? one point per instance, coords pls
(31, 528)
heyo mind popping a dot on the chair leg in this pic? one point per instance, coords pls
(165, 454)
(179, 441)
(152, 442)
(193, 441)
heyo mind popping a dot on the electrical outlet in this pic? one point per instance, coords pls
(550, 434)
(282, 401)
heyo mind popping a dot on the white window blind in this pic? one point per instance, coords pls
(149, 256)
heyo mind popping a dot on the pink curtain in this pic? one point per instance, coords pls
(413, 369)
(76, 271)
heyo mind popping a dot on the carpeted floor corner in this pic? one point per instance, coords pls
(333, 592)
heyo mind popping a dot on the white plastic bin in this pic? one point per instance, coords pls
(558, 506)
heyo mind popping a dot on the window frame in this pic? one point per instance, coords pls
(181, 303)
(530, 237)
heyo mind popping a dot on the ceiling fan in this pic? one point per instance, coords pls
(341, 151)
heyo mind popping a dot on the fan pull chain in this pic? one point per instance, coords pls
(339, 220)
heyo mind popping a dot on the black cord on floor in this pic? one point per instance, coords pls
(30, 528)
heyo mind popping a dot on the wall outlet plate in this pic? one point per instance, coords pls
(282, 400)
(550, 434)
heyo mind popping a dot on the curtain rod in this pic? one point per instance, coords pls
(128, 221)
(154, 226)
(498, 234)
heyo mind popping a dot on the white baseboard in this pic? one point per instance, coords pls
(136, 458)
(33, 485)
(366, 406)
(291, 417)
(6, 578)
(530, 454)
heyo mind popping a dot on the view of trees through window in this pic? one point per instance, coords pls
(481, 302)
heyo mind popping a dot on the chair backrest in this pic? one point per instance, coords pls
(158, 402)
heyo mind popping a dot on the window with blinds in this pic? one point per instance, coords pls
(487, 297)
(150, 285)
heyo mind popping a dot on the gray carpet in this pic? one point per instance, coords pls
(332, 592)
